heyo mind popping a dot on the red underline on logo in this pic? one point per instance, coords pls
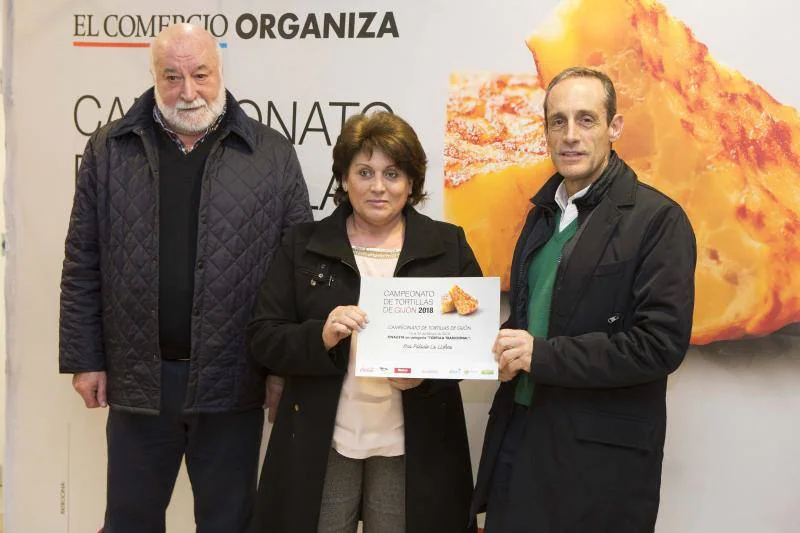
(97, 44)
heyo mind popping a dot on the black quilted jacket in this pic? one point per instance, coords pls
(252, 189)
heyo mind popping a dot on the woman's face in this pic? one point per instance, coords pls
(378, 190)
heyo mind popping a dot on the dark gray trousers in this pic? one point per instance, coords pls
(144, 457)
(373, 488)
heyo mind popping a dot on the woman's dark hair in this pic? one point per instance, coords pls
(391, 135)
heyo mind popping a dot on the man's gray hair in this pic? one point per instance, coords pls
(585, 72)
(152, 54)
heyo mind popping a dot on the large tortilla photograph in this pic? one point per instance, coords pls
(699, 131)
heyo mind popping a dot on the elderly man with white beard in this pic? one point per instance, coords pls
(178, 208)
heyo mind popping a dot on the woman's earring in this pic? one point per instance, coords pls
(344, 187)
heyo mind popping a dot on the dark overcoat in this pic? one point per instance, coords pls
(620, 322)
(314, 271)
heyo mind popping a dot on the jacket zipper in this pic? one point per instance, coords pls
(150, 154)
(351, 267)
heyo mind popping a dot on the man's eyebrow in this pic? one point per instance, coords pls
(170, 70)
(578, 112)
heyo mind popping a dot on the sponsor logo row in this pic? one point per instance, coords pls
(427, 371)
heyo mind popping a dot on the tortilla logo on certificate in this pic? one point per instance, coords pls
(459, 301)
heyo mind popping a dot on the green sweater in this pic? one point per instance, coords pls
(541, 277)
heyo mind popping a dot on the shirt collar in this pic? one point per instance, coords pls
(561, 195)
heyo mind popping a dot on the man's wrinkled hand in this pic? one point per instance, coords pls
(92, 388)
(513, 351)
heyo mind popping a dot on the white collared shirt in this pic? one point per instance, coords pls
(568, 210)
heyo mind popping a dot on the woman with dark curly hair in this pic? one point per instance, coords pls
(390, 452)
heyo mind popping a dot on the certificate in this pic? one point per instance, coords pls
(434, 328)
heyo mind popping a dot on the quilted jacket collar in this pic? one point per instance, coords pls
(140, 116)
(330, 237)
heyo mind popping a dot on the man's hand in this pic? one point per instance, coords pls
(341, 323)
(274, 392)
(513, 351)
(92, 388)
(404, 383)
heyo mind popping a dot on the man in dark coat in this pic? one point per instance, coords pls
(602, 293)
(179, 207)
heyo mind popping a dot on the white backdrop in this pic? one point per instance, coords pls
(731, 460)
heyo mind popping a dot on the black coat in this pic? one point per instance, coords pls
(313, 272)
(252, 189)
(621, 317)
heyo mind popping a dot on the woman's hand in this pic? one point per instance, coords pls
(404, 383)
(341, 323)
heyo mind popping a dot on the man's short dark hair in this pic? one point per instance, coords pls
(391, 135)
(585, 72)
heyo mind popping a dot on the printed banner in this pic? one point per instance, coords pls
(710, 103)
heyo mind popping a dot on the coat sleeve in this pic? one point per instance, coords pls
(278, 338)
(468, 268)
(662, 305)
(80, 321)
(297, 208)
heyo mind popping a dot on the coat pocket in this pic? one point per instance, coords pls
(319, 276)
(614, 430)
(608, 269)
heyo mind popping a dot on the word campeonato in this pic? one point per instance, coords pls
(301, 122)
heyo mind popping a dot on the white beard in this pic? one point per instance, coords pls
(192, 122)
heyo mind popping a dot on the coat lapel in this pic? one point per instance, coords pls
(614, 190)
(419, 241)
(594, 238)
(330, 236)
